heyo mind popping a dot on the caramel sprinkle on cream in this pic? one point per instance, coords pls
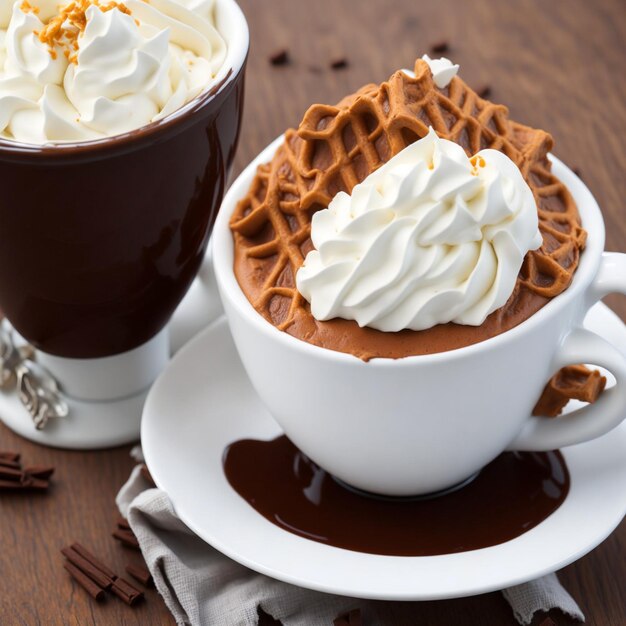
(27, 7)
(64, 29)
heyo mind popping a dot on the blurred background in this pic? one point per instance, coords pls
(557, 65)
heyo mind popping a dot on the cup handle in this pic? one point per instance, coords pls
(583, 346)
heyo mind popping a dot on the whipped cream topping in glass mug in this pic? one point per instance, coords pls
(86, 70)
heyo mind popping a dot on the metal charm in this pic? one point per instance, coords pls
(37, 389)
(9, 357)
(39, 393)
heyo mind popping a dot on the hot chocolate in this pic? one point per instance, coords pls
(338, 147)
(101, 239)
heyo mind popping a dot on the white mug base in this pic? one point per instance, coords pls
(95, 424)
(113, 377)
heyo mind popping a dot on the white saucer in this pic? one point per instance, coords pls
(92, 425)
(204, 401)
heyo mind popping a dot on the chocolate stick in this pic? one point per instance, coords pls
(87, 568)
(82, 551)
(10, 463)
(12, 484)
(84, 581)
(39, 471)
(25, 484)
(126, 592)
(30, 482)
(127, 538)
(10, 456)
(141, 573)
(8, 473)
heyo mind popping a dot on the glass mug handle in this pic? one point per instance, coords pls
(583, 346)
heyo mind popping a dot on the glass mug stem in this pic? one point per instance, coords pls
(583, 346)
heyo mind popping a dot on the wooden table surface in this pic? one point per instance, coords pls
(557, 65)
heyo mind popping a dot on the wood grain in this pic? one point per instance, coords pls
(557, 65)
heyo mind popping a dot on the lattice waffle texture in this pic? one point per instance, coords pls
(336, 147)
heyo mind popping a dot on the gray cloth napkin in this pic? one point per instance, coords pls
(202, 587)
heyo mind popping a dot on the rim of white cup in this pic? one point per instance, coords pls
(223, 246)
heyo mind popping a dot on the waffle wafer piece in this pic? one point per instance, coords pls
(574, 382)
(336, 147)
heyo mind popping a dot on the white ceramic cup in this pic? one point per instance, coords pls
(421, 424)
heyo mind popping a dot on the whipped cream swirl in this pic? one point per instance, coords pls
(85, 70)
(429, 238)
(443, 70)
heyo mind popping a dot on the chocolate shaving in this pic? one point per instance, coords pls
(574, 382)
(89, 569)
(82, 551)
(281, 57)
(484, 91)
(39, 471)
(141, 573)
(127, 538)
(126, 592)
(85, 582)
(339, 64)
(353, 618)
(440, 47)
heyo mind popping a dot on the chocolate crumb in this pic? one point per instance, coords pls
(280, 58)
(339, 64)
(548, 622)
(440, 47)
(484, 91)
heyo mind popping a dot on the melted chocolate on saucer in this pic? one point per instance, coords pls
(510, 496)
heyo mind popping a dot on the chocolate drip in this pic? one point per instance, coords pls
(513, 494)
